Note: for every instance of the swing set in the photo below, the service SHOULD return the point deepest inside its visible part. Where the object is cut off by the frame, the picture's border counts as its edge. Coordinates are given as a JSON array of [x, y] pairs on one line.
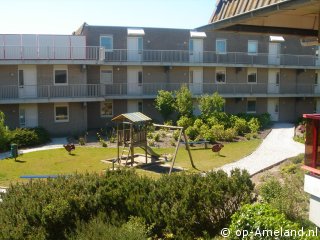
[[132, 132]]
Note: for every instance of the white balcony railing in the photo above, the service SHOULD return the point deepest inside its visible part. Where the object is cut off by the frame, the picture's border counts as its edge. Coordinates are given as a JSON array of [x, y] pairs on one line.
[[149, 89], [153, 56]]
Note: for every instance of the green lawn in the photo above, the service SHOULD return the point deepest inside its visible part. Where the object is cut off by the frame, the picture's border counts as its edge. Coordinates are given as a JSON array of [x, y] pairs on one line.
[[87, 159]]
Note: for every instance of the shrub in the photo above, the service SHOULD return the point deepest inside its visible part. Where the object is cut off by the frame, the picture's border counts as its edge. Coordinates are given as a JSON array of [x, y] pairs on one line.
[[265, 120], [192, 133], [184, 102], [156, 137], [217, 132], [198, 123], [211, 121], [241, 126], [152, 143], [150, 135], [175, 134], [254, 125], [230, 134], [82, 141], [43, 135], [210, 104], [253, 219], [183, 206], [164, 103], [24, 137], [185, 122]]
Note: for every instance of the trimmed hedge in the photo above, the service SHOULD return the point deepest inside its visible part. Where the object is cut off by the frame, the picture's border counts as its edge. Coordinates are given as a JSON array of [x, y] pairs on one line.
[[27, 137], [186, 206]]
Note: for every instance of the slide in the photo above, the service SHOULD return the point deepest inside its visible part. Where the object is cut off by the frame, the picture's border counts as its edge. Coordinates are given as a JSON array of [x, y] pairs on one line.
[[150, 152]]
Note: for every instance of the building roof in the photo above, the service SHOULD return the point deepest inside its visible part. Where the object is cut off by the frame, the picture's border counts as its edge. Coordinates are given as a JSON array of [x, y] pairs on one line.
[[285, 17], [135, 117]]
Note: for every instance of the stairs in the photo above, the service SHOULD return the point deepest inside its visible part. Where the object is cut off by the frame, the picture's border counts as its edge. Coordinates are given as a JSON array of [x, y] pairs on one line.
[[125, 153]]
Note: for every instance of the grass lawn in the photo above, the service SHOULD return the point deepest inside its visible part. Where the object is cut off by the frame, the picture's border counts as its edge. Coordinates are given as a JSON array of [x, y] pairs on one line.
[[87, 159]]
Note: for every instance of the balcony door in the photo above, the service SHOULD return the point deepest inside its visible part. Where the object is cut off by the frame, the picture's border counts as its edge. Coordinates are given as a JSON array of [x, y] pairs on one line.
[[318, 56], [196, 50], [135, 48], [28, 115], [135, 80], [27, 81], [274, 53], [196, 80], [273, 80], [317, 82], [134, 106], [273, 108]]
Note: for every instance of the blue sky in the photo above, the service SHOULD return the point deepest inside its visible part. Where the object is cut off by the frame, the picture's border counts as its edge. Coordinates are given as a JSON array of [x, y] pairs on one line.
[[65, 16]]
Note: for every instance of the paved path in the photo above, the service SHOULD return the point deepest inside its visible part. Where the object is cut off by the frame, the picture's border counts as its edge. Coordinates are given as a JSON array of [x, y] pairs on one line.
[[276, 147], [55, 143]]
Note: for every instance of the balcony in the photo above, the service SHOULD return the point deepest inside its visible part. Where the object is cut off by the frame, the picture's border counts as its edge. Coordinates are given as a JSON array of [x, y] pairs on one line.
[[92, 54], [97, 92]]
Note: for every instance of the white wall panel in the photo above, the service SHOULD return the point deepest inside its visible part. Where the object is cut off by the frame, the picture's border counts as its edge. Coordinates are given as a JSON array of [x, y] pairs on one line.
[[29, 46], [62, 47], [12, 46], [46, 47], [78, 45]]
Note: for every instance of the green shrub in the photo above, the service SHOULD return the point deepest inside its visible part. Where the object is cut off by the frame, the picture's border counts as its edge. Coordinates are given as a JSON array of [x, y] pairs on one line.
[[211, 121], [82, 141], [265, 120], [24, 137], [150, 135], [156, 137], [198, 123], [230, 134], [217, 132], [241, 126], [185, 122], [254, 125], [192, 133], [251, 220], [164, 103], [183, 205], [184, 102], [176, 134]]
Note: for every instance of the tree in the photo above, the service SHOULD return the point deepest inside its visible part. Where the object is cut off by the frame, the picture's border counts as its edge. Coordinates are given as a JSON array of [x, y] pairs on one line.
[[210, 104], [184, 104], [4, 133], [164, 103]]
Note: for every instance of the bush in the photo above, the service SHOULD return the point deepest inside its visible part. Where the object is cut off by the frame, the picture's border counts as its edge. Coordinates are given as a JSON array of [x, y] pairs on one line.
[[183, 206], [241, 126], [192, 133], [156, 137], [230, 134], [164, 103], [253, 219], [265, 120], [211, 121], [184, 102], [185, 122], [24, 137], [43, 135], [217, 132], [176, 134], [254, 125]]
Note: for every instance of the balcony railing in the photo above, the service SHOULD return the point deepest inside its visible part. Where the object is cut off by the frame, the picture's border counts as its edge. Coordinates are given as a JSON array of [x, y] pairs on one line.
[[153, 56], [149, 89]]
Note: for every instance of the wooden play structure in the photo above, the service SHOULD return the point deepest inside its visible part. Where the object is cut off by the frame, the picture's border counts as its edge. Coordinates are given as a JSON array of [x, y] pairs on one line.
[[312, 144], [132, 132]]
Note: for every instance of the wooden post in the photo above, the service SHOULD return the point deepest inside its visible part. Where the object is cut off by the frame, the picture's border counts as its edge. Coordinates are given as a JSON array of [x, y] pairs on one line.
[[131, 144], [176, 151], [118, 147], [188, 148], [146, 145]]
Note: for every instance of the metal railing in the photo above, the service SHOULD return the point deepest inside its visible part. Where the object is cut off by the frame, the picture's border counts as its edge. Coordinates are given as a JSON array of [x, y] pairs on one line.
[[153, 56], [149, 89]]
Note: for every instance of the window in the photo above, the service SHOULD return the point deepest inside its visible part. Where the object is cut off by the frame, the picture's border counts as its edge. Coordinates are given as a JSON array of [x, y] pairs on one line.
[[252, 75], [106, 109], [140, 106], [278, 79], [140, 78], [106, 76], [191, 46], [251, 106], [252, 47], [191, 77], [220, 75], [21, 78], [22, 117], [60, 75], [107, 43], [61, 113], [140, 44], [316, 78], [221, 46]]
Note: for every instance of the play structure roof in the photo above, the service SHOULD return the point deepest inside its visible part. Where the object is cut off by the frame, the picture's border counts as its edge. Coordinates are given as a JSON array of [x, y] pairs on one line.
[[136, 117]]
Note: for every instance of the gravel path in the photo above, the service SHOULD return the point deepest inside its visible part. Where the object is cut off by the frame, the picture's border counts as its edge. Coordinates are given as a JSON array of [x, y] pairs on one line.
[[55, 143], [276, 147]]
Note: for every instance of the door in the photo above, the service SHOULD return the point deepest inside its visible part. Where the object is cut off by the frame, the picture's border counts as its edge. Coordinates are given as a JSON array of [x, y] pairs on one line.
[[273, 80], [135, 80], [135, 48], [27, 81], [106, 80], [28, 115], [134, 106], [274, 53], [196, 80], [316, 82], [273, 108], [196, 50]]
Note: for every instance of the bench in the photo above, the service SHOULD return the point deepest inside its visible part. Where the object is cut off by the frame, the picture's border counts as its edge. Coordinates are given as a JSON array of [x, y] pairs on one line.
[[38, 176], [199, 142]]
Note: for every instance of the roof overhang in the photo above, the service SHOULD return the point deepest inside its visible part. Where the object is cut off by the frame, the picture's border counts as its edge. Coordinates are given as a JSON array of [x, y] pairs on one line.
[[294, 17], [135, 32]]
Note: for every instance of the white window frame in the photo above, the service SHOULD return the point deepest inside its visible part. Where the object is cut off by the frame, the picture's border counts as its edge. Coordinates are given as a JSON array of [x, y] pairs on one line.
[[250, 71], [101, 106], [256, 43], [55, 112], [107, 36], [106, 68], [252, 100], [60, 68], [221, 69], [225, 44]]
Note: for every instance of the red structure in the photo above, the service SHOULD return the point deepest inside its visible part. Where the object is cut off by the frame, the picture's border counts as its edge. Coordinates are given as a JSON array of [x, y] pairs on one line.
[[312, 151]]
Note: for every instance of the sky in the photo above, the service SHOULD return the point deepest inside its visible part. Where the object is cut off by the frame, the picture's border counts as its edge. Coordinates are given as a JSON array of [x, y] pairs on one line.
[[66, 16]]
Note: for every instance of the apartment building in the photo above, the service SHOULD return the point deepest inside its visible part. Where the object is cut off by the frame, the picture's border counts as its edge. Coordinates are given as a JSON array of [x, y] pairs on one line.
[[69, 84]]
